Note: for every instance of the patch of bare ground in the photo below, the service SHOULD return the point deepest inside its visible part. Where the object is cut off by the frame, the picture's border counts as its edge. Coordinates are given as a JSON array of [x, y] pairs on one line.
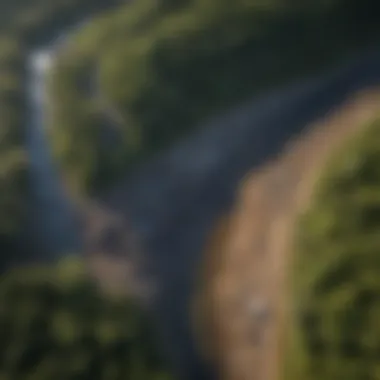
[[112, 251], [245, 299]]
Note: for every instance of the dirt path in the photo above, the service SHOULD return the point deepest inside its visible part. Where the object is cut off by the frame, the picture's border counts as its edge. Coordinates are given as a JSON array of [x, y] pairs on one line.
[[248, 294]]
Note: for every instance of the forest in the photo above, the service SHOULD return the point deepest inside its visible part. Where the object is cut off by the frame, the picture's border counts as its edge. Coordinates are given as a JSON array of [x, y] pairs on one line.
[[132, 81]]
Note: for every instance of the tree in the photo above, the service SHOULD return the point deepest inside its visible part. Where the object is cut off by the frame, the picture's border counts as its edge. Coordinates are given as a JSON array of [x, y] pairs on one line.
[[54, 322]]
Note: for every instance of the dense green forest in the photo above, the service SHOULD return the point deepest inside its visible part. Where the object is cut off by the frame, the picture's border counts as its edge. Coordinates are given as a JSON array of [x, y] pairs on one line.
[[54, 323], [150, 74], [336, 271], [140, 76]]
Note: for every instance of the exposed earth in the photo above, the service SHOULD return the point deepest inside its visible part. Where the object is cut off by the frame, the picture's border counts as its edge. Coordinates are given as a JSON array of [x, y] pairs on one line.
[[248, 297]]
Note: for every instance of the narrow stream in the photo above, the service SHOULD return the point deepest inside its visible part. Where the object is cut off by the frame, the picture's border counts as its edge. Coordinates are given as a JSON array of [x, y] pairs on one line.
[[53, 220]]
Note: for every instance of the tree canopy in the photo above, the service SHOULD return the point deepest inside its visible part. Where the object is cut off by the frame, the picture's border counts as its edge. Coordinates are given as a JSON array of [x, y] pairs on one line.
[[54, 323], [336, 283]]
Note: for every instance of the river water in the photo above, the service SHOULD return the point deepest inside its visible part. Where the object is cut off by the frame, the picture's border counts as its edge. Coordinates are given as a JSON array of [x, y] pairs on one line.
[[53, 220]]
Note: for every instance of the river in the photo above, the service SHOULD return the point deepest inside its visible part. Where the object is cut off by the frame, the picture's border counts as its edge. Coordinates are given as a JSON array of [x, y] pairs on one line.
[[54, 224], [174, 199]]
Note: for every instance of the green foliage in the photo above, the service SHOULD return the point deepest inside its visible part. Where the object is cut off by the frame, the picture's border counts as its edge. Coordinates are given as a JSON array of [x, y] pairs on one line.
[[337, 287], [159, 70], [139, 77], [54, 322]]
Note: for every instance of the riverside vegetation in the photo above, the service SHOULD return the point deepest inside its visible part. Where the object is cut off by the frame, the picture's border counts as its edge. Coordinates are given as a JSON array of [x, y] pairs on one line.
[[336, 288]]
